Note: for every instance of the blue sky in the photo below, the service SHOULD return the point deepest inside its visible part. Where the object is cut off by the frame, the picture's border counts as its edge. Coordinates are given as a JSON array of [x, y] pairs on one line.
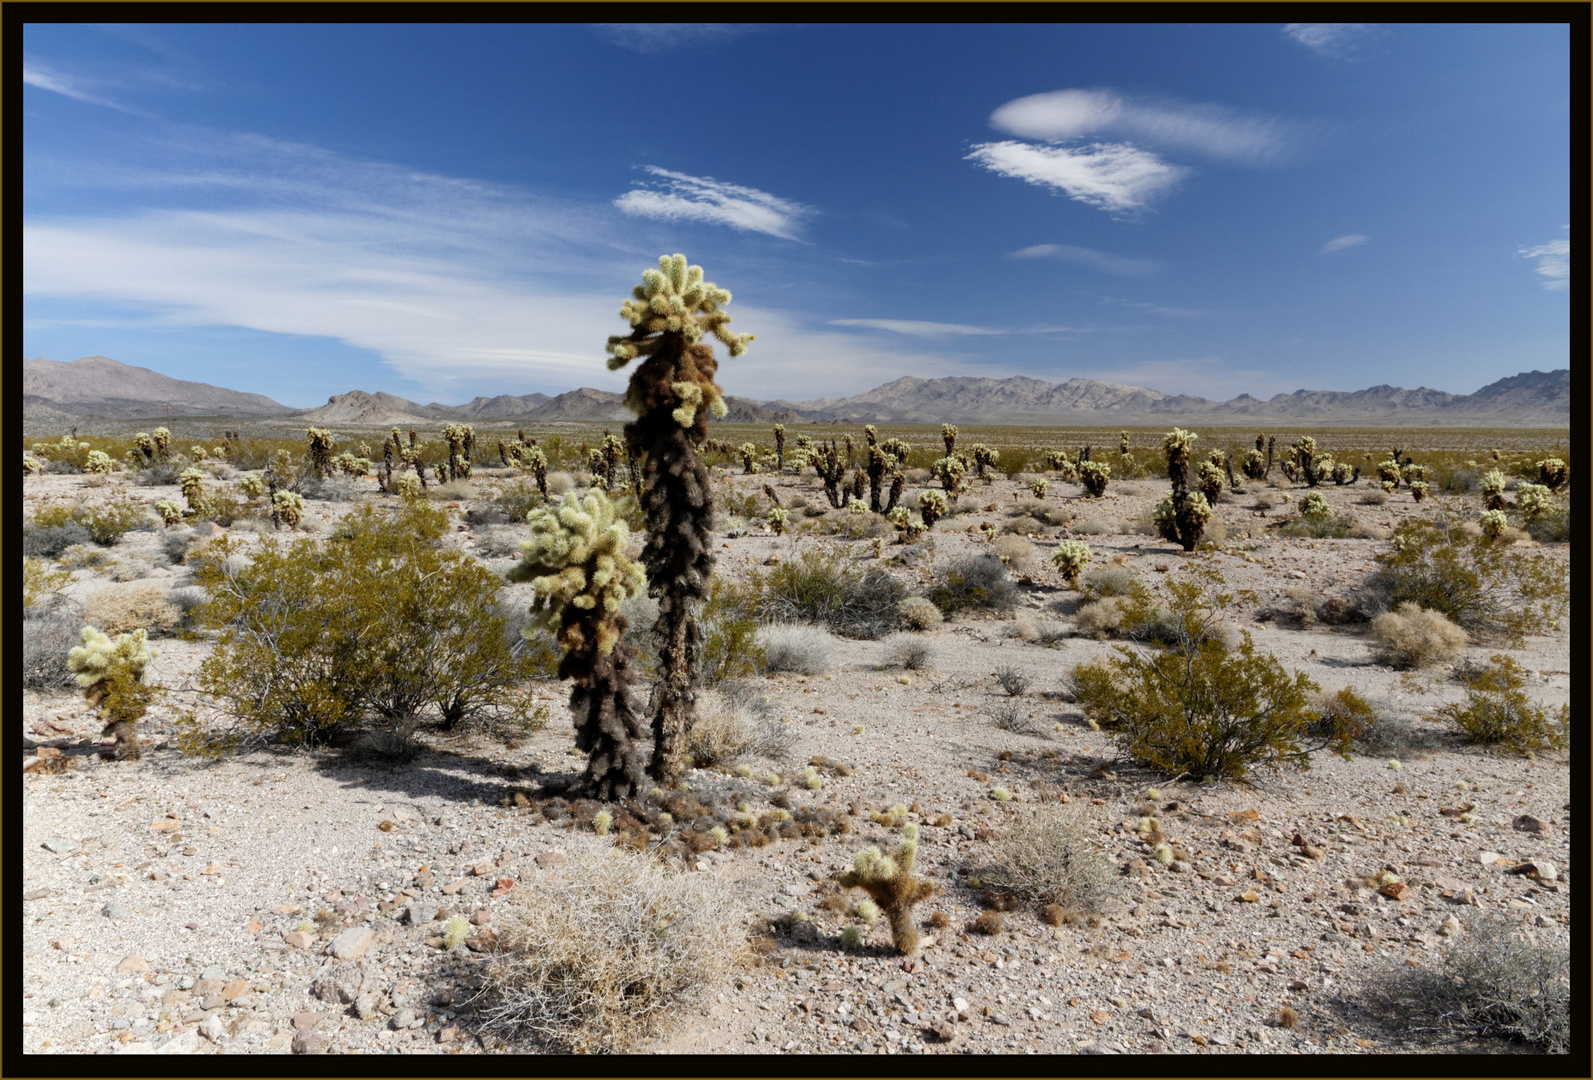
[[442, 212]]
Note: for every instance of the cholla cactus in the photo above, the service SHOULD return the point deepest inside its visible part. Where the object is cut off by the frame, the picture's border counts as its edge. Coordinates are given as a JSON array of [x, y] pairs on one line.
[[576, 561], [350, 465], [1315, 508], [532, 457], [1344, 473], [779, 448], [31, 465], [1412, 473], [1533, 501], [145, 446], [1553, 473], [749, 458], [1494, 523], [832, 472], [1210, 480], [461, 439], [321, 444], [778, 519], [932, 507], [1037, 487], [1123, 444], [1181, 516], [170, 513], [1305, 459], [1071, 557], [1253, 465], [1388, 471], [673, 393], [1389, 486], [857, 506], [99, 462], [161, 438], [985, 456], [1094, 476], [950, 472], [1493, 485], [289, 506], [948, 435], [1418, 490], [408, 486], [111, 674], [193, 485], [198, 453], [889, 880]]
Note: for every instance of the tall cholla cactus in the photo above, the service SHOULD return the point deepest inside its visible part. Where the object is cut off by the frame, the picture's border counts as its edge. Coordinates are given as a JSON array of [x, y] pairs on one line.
[[779, 448], [950, 472], [889, 880], [576, 561], [1553, 473], [1305, 459], [193, 485], [749, 458], [1493, 485], [461, 440], [145, 447], [111, 674], [1182, 515], [673, 393], [321, 445], [985, 457], [948, 435], [932, 507], [1210, 479], [161, 438], [832, 471], [1094, 475]]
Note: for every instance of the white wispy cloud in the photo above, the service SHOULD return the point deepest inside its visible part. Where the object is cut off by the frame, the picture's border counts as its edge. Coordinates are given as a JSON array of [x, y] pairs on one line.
[[677, 196], [1554, 263], [1329, 39], [1213, 130], [919, 328], [1339, 243], [1099, 260], [1157, 309], [36, 73], [1112, 176], [649, 38]]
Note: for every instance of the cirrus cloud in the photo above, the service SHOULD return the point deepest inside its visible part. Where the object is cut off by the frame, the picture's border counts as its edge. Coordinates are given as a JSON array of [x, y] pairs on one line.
[[1099, 260], [1111, 176], [1339, 243], [1212, 130], [1554, 263], [679, 197]]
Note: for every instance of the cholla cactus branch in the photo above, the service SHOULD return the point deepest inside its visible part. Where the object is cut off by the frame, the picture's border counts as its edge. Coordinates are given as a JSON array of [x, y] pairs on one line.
[[889, 880]]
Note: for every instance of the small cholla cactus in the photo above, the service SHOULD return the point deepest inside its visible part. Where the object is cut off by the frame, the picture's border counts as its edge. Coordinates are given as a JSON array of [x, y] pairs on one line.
[[193, 485], [778, 519], [1305, 459], [1037, 487], [111, 674], [145, 446], [1315, 508], [1123, 443], [601, 821], [983, 457], [1253, 465], [99, 462], [852, 936], [1094, 476], [1553, 473], [1418, 490], [198, 453], [1493, 485], [170, 513], [1389, 486], [811, 778], [350, 465], [989, 532], [1532, 500], [408, 486], [857, 506], [1210, 479], [948, 435], [950, 471], [1071, 558], [161, 438], [31, 465], [889, 881], [1411, 473], [289, 506], [455, 930], [1344, 473], [868, 911], [1388, 471], [1494, 523], [932, 506], [749, 458], [321, 444]]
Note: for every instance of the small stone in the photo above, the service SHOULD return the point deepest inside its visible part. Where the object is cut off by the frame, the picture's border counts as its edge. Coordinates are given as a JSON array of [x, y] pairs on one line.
[[482, 869], [419, 912], [313, 1041], [1529, 824], [131, 965], [481, 917], [1450, 927], [352, 943], [551, 858], [184, 1043], [1395, 890], [454, 886], [113, 910], [402, 1019], [60, 846], [298, 939], [252, 927], [305, 1020], [36, 894], [1488, 858], [1248, 896], [448, 1034], [942, 1032], [213, 1029], [1537, 870], [234, 988], [961, 1005]]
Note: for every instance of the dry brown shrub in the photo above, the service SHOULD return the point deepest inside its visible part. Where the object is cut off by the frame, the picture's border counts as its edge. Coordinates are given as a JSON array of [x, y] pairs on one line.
[[1100, 619], [1015, 550], [601, 954], [1410, 636], [133, 605], [1050, 859], [919, 613]]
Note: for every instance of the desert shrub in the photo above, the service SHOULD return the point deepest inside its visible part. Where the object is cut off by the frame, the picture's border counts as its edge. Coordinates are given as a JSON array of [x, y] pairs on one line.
[[1196, 708], [378, 623], [604, 953], [1099, 619], [1091, 528], [730, 632], [46, 536], [47, 637], [1374, 497], [50, 541], [1547, 517], [1342, 717], [1106, 581], [1049, 858], [798, 647], [1412, 637], [733, 721], [821, 588], [1494, 982], [40, 584], [907, 652], [1397, 737], [1013, 683], [978, 582], [1488, 589], [1321, 523], [1015, 551], [134, 605], [1010, 716], [1497, 711], [919, 613]]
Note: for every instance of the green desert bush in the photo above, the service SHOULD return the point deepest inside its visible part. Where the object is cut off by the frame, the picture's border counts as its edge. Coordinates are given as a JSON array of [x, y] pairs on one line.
[[1411, 637], [1106, 581], [977, 583], [608, 951], [1049, 858], [377, 624], [1196, 708], [1497, 711], [1490, 590], [730, 632]]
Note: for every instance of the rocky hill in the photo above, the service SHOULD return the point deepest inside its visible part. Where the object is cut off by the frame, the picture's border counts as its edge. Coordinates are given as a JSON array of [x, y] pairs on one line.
[[100, 386]]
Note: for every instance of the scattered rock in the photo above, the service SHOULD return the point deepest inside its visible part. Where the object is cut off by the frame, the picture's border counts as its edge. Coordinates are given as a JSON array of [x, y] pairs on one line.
[[1536, 869], [131, 965], [185, 1043], [304, 1021], [367, 1006], [298, 939], [403, 1018], [551, 858], [59, 846], [1529, 824], [481, 917], [312, 1041], [1395, 890], [338, 984], [114, 910], [213, 1029], [420, 912], [454, 886], [352, 943]]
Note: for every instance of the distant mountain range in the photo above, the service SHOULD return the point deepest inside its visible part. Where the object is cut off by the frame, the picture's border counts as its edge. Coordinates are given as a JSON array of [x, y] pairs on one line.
[[100, 387]]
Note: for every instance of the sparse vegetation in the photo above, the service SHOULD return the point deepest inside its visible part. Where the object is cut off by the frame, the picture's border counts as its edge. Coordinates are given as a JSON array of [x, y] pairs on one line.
[[1497, 712]]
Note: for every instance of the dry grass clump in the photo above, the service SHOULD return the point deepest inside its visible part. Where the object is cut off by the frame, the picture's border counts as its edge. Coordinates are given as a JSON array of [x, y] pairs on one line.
[[1090, 528], [1410, 636], [47, 637], [133, 605], [799, 647], [920, 613], [732, 721], [907, 652], [1103, 581], [1101, 619], [1049, 859], [601, 954], [1015, 551]]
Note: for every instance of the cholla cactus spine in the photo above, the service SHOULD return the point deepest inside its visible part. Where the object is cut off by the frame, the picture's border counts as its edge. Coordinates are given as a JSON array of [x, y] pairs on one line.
[[1071, 557]]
